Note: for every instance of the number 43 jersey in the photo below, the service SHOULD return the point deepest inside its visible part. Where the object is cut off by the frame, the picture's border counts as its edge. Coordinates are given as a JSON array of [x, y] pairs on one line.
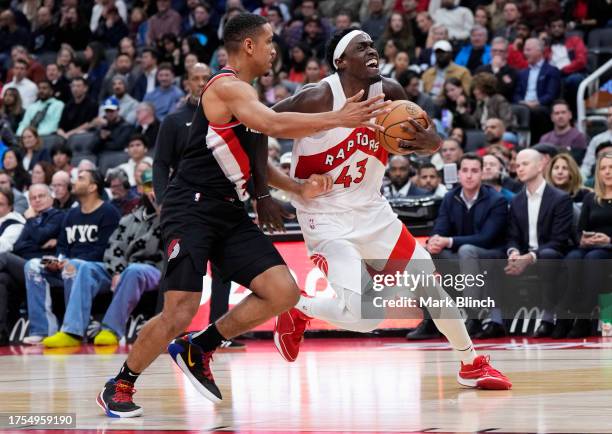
[[351, 156]]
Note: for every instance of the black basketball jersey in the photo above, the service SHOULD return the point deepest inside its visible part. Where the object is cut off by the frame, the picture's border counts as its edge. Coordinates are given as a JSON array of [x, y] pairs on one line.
[[218, 157]]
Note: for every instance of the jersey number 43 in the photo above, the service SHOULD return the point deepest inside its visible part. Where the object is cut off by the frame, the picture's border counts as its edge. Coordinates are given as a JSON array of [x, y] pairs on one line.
[[346, 180]]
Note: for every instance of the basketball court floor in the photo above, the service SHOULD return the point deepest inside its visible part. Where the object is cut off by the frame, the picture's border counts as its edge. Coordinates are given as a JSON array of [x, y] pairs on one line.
[[336, 385]]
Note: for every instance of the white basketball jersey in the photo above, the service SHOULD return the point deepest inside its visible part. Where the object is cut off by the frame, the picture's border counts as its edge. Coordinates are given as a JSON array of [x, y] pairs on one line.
[[351, 156]]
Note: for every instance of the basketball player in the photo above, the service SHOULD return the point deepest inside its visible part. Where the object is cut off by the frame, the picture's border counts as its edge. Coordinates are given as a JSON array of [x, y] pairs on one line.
[[353, 221], [203, 217]]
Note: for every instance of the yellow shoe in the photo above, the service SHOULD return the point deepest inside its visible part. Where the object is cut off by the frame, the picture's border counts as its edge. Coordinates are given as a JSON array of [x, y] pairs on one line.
[[61, 340], [106, 337]]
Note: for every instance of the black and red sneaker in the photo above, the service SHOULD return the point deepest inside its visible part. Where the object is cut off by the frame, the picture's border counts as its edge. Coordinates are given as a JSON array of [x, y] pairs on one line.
[[195, 364], [116, 399]]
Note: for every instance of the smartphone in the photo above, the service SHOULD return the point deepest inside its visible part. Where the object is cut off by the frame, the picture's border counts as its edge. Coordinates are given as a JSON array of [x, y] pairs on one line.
[[587, 234], [47, 259]]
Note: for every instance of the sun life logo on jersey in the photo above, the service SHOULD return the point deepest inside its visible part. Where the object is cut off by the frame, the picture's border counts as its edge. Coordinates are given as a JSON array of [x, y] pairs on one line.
[[361, 139]]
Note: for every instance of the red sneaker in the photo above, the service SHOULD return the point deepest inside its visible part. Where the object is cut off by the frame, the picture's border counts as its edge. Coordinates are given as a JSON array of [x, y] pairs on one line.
[[481, 375], [289, 333]]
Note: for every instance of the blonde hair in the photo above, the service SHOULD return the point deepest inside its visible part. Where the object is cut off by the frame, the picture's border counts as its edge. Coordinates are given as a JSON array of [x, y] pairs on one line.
[[600, 188], [575, 177]]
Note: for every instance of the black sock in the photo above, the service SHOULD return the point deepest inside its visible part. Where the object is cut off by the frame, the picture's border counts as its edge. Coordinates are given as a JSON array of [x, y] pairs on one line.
[[126, 374], [208, 339]]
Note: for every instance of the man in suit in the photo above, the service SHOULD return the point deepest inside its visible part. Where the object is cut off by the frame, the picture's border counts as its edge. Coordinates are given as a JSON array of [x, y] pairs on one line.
[[537, 87], [539, 231], [471, 226], [399, 175]]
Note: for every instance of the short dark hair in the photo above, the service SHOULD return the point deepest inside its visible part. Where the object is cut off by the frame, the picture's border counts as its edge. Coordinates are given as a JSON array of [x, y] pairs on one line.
[[472, 157], [240, 27], [560, 102], [165, 66], [426, 165], [8, 193], [45, 81], [406, 77], [61, 148], [81, 79], [151, 51], [602, 146], [96, 178], [333, 43], [11, 180], [140, 137]]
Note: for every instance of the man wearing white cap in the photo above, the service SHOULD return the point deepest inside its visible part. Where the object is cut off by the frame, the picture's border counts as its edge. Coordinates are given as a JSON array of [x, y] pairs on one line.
[[351, 224], [445, 68]]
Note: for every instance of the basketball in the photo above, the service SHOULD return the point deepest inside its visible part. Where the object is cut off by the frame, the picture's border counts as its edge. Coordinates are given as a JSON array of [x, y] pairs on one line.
[[401, 112]]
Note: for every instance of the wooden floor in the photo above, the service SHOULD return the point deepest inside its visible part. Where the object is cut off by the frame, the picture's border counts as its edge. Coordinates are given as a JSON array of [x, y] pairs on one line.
[[348, 385]]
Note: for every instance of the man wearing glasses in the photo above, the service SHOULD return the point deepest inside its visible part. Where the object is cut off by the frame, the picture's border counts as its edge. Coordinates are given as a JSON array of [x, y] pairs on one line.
[[506, 75]]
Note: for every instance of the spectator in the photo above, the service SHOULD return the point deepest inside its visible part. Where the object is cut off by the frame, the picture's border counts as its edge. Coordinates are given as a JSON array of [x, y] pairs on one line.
[[376, 20], [166, 95], [386, 61], [65, 55], [451, 151], [96, 59], [343, 20], [297, 63], [569, 55], [20, 202], [35, 71], [166, 20], [44, 114], [204, 29], [424, 23], [11, 162], [139, 26], [564, 135], [32, 150], [586, 271], [123, 198], [399, 174], [172, 137], [537, 87], [63, 197], [61, 156], [79, 113], [512, 16], [411, 83], [147, 81], [127, 104], [458, 20], [313, 37], [275, 18], [101, 8], [516, 57], [478, 52], [141, 167], [38, 238], [147, 123], [483, 18], [268, 5], [505, 74], [540, 229], [400, 64], [494, 173], [42, 173], [430, 181], [12, 109], [489, 103], [589, 158], [547, 151], [170, 52], [274, 151], [84, 236], [26, 88], [496, 10], [427, 57], [445, 68], [312, 73], [112, 29], [471, 226], [59, 83], [459, 135], [122, 67], [137, 150], [11, 222], [455, 104], [10, 33], [73, 30], [113, 133], [563, 173], [399, 30]]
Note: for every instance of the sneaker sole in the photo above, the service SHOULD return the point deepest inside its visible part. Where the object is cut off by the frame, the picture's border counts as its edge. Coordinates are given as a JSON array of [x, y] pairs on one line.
[[485, 383], [199, 387], [116, 414], [279, 345]]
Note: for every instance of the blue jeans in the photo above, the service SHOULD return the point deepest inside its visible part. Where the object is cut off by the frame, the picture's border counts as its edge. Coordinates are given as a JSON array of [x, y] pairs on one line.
[[38, 287], [135, 280]]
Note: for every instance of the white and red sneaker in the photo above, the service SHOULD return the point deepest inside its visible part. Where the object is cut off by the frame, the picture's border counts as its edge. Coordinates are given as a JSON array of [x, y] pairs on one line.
[[289, 333], [481, 375]]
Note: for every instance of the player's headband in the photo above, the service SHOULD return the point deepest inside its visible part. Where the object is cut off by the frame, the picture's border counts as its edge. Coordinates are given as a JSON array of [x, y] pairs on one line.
[[346, 39]]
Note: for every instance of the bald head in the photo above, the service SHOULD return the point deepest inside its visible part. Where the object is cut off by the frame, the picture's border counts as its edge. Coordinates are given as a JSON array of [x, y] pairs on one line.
[[533, 50], [529, 166], [198, 76]]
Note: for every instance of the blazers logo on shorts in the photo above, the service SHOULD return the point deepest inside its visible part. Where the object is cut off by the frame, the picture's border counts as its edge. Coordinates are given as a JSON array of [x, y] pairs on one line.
[[174, 248]]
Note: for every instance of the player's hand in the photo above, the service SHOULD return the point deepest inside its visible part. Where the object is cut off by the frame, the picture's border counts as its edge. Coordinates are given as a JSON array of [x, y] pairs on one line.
[[426, 140], [270, 215], [316, 185], [360, 114]]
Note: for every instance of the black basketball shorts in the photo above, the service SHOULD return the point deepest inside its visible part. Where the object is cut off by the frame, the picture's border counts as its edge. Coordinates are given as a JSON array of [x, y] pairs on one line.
[[197, 228]]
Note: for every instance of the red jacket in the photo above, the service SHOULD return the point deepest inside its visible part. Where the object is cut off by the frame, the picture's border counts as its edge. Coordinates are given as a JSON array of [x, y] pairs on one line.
[[577, 53], [516, 58]]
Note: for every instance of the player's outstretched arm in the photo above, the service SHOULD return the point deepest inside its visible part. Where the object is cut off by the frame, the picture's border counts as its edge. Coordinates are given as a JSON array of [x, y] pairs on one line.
[[315, 185], [242, 101]]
